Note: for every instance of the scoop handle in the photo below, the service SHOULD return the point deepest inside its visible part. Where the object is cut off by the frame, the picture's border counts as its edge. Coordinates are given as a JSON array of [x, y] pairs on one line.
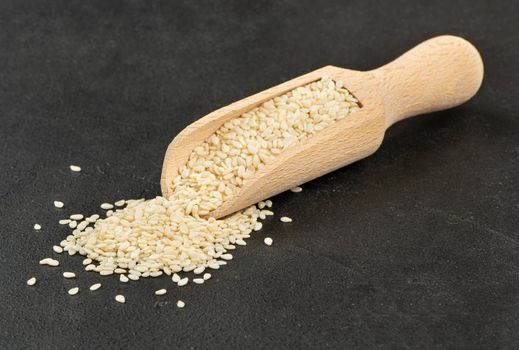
[[440, 73]]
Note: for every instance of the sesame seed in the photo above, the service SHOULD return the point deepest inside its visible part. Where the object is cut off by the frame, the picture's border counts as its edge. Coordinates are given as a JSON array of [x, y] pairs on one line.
[[106, 206], [37, 226], [296, 189], [175, 278], [133, 277], [268, 241], [75, 168], [58, 204], [87, 261], [207, 276], [161, 292], [183, 282], [72, 224], [198, 280], [95, 286], [268, 203], [120, 299], [199, 270], [226, 256], [64, 221], [73, 291], [119, 270], [120, 203], [31, 281], [69, 275], [285, 219], [57, 249], [76, 217], [180, 304], [49, 262], [123, 278]]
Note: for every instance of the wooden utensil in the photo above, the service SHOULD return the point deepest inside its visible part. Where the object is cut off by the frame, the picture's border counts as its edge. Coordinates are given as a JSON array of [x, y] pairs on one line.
[[440, 73]]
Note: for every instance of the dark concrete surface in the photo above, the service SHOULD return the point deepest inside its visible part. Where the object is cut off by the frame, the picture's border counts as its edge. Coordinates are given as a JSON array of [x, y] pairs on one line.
[[415, 247]]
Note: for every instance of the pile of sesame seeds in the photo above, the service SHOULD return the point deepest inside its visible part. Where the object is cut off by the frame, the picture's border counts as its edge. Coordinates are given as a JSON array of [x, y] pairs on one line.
[[148, 238]]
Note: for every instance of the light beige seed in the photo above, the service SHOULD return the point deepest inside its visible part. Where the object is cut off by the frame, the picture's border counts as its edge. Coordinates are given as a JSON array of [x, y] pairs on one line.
[[90, 267], [296, 189], [120, 203], [119, 270], [198, 280], [226, 256], [180, 304], [161, 292], [75, 168], [73, 291], [120, 299], [64, 221], [285, 219], [123, 278], [72, 224], [58, 204], [268, 203], [268, 241], [69, 275], [199, 270], [49, 262], [57, 249], [207, 276], [106, 206], [87, 261], [175, 278], [37, 226], [95, 286], [133, 277], [76, 217], [31, 281], [183, 282]]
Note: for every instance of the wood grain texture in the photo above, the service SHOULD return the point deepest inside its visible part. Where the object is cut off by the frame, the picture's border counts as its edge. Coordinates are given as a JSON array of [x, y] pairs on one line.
[[440, 73]]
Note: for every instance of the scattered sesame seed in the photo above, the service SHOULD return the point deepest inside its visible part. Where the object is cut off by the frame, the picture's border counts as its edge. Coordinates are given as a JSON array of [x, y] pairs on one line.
[[72, 224], [90, 267], [120, 299], [175, 278], [106, 206], [57, 249], [296, 189], [161, 292], [119, 270], [123, 278], [226, 256], [76, 217], [268, 203], [120, 203], [95, 286], [37, 226], [268, 241], [198, 280], [87, 261], [58, 204], [285, 219], [49, 262], [75, 168], [31, 281], [207, 276], [183, 282], [180, 304], [69, 275], [64, 221], [73, 291], [199, 270], [133, 277]]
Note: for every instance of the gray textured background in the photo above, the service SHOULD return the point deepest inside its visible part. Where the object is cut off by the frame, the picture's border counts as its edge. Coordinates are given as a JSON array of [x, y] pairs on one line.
[[414, 247]]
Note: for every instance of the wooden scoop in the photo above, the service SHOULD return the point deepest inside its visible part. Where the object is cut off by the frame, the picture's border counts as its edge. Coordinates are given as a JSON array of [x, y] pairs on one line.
[[440, 73]]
